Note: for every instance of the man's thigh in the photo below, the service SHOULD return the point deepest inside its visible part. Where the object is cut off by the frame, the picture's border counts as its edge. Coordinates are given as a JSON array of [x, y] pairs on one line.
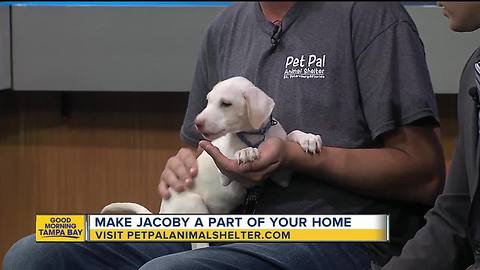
[[26, 254], [267, 256]]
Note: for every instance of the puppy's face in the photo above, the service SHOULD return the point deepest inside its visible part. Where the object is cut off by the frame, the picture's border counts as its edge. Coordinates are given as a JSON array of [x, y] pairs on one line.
[[233, 105]]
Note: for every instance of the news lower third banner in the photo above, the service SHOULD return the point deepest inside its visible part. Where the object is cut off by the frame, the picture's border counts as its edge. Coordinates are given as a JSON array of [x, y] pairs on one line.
[[212, 228]]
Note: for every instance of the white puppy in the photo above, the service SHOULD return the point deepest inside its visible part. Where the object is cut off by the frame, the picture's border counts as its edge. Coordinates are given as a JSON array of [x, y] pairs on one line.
[[237, 119]]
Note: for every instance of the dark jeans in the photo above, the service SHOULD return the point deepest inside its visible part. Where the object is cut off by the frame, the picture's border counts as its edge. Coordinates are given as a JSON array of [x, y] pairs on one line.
[[26, 254]]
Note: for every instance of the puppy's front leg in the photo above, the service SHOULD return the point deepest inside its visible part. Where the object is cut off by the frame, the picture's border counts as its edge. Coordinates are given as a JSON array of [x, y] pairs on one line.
[[310, 143], [245, 155], [248, 154]]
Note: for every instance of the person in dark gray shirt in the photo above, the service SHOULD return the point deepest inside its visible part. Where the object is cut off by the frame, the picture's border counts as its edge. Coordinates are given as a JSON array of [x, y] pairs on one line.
[[355, 73]]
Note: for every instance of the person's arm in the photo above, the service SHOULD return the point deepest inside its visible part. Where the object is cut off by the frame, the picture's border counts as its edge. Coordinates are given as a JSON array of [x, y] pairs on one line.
[[409, 167], [398, 103], [443, 242]]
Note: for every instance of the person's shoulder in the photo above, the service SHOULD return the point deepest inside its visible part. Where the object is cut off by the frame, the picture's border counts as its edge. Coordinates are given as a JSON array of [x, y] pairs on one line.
[[370, 20], [391, 10], [384, 13], [467, 82], [229, 15], [474, 58], [476, 55], [225, 23]]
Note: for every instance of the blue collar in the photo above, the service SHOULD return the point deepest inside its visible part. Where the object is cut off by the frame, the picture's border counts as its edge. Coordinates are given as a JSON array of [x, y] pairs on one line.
[[262, 132]]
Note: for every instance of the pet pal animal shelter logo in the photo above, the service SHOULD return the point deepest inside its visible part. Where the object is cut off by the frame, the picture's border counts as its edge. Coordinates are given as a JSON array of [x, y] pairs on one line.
[[310, 66]]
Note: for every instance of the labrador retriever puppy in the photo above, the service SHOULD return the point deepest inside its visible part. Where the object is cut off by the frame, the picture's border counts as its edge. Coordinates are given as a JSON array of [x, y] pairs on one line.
[[237, 118]]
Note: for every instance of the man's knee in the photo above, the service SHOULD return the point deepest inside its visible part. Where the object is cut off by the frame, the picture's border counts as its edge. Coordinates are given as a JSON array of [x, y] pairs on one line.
[[27, 254]]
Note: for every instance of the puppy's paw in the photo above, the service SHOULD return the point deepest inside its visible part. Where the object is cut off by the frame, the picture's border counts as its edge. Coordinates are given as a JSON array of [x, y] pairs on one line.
[[310, 143], [247, 155]]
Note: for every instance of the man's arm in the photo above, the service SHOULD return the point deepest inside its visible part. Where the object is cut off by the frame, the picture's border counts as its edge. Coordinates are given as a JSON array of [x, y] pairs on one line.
[[410, 166], [442, 243]]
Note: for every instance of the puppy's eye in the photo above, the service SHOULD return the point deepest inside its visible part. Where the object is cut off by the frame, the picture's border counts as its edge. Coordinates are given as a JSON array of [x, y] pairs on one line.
[[225, 104]]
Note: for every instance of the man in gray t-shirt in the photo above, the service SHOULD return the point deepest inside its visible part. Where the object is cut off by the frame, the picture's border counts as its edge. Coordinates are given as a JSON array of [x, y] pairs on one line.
[[355, 73]]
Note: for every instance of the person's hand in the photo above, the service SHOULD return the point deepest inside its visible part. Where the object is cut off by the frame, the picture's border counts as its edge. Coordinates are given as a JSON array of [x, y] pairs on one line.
[[272, 156], [179, 172]]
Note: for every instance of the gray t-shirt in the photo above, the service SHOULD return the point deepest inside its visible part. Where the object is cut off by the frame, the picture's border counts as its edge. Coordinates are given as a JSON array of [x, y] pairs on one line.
[[347, 71]]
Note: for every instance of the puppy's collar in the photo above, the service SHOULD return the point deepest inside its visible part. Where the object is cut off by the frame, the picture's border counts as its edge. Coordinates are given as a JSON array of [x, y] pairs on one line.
[[244, 136]]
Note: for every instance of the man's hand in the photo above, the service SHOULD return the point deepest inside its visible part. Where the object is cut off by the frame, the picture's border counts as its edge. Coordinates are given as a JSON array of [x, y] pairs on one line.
[[272, 156], [179, 172]]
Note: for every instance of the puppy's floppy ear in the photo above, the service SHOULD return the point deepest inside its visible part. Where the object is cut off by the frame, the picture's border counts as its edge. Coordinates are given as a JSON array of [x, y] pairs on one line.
[[259, 106]]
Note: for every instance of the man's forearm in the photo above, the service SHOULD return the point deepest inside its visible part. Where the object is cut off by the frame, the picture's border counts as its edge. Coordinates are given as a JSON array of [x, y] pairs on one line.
[[383, 172]]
